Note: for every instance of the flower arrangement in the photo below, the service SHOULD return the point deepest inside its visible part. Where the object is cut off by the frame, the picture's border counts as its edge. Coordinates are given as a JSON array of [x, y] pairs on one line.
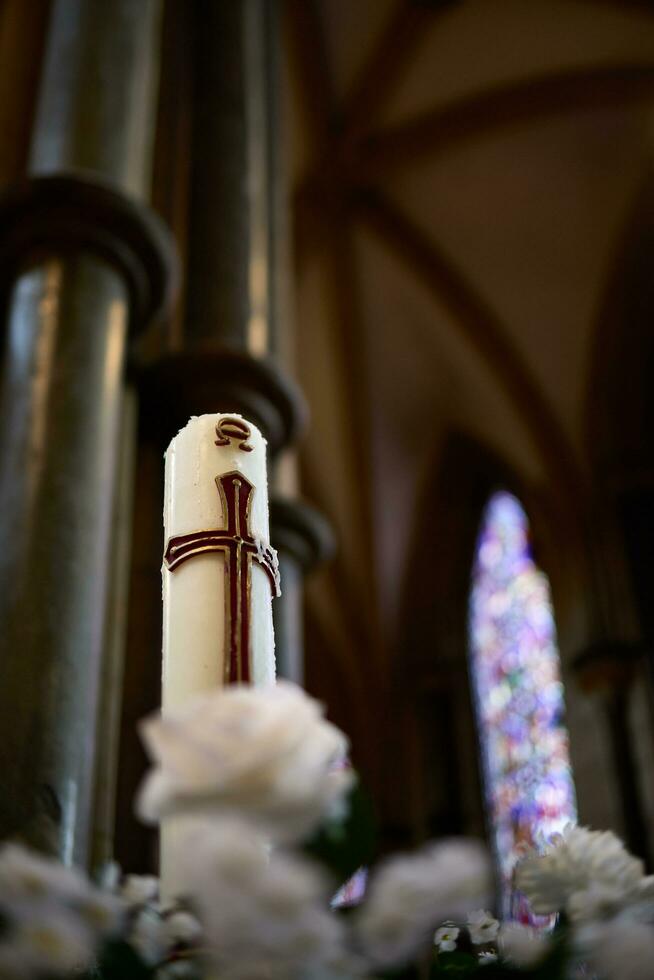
[[270, 822]]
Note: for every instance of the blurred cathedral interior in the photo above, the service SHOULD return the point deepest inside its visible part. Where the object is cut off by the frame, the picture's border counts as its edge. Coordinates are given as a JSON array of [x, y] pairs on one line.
[[413, 241]]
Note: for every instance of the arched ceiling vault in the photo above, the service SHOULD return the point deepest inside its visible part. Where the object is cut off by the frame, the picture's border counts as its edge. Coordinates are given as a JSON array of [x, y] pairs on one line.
[[461, 174]]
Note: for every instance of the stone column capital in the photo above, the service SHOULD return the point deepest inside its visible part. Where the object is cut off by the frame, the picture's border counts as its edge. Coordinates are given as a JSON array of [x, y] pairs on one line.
[[74, 211], [301, 532], [216, 378]]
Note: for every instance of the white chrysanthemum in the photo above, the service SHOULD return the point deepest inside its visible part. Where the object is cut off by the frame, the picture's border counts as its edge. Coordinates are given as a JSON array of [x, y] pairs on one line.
[[262, 914], [28, 877], [267, 752], [45, 902], [622, 949], [521, 945], [578, 860], [409, 894], [445, 938], [482, 926], [51, 942]]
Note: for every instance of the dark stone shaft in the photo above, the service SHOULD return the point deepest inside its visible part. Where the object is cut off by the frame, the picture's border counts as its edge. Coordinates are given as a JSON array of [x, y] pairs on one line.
[[59, 406]]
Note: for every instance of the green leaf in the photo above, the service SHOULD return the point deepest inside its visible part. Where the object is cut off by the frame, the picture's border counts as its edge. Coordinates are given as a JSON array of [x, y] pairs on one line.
[[120, 961], [347, 844], [454, 965]]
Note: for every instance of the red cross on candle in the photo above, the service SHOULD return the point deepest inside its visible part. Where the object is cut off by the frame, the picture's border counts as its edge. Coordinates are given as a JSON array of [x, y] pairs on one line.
[[240, 548]]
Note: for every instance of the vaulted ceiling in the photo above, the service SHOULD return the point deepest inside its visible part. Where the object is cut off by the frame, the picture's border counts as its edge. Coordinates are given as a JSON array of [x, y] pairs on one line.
[[465, 176]]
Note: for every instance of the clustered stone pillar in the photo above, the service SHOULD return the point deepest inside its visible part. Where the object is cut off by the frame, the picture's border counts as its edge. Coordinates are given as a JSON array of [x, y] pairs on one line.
[[84, 266], [236, 324], [607, 670]]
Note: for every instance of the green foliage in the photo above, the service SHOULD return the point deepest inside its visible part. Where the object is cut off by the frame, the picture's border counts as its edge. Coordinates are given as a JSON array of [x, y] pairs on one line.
[[119, 961], [345, 845], [555, 966], [455, 964]]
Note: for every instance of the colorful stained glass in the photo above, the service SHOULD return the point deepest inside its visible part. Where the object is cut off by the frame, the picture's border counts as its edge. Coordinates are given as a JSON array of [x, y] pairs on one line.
[[352, 892], [516, 681]]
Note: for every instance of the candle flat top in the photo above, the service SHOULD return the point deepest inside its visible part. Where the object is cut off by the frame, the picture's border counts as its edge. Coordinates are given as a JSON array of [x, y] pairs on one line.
[[209, 447], [241, 428]]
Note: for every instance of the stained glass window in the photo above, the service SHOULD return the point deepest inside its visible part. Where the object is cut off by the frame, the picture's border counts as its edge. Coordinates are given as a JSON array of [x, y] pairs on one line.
[[516, 682]]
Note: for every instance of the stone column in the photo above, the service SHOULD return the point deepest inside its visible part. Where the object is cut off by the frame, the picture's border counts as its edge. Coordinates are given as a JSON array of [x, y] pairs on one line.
[[224, 360], [84, 265], [236, 344], [303, 539], [608, 670]]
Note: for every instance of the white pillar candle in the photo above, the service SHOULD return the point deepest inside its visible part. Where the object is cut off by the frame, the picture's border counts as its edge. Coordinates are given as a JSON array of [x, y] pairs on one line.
[[204, 587], [219, 572]]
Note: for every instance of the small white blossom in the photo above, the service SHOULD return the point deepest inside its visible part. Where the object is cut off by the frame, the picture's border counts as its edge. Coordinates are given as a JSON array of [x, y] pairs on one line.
[[521, 945], [148, 936], [409, 894], [482, 926], [445, 938], [265, 752], [578, 860], [182, 927], [485, 956], [140, 889]]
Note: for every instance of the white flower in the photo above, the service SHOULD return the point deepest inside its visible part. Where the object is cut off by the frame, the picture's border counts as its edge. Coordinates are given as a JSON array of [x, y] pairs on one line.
[[13, 962], [263, 914], [182, 927], [482, 926], [267, 752], [578, 860], [27, 876], [140, 889], [485, 956], [521, 945], [409, 894], [50, 941], [148, 936], [445, 938], [102, 912], [36, 890], [619, 950], [183, 969]]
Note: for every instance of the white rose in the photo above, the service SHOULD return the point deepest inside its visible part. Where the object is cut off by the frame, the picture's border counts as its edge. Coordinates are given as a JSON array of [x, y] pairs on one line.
[[621, 949], [409, 894], [267, 753], [263, 913], [482, 926], [522, 945]]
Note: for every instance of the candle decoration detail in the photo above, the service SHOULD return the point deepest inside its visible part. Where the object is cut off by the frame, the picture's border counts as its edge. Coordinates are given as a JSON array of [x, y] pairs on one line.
[[230, 428], [240, 548], [219, 571]]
